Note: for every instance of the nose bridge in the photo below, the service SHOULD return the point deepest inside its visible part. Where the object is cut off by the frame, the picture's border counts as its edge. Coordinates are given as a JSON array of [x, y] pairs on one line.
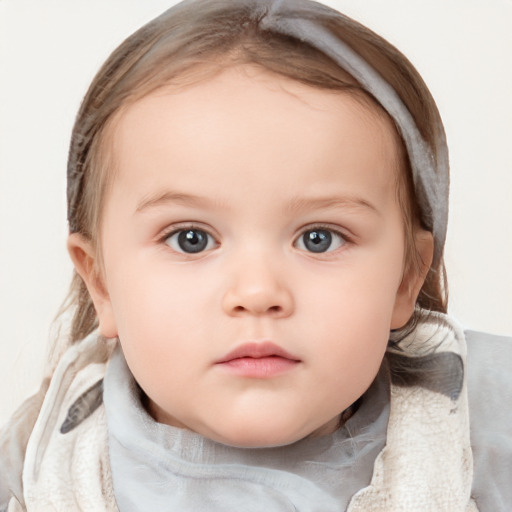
[[257, 284]]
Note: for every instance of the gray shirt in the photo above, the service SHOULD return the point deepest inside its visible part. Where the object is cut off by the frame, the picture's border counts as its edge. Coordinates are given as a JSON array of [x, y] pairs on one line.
[[158, 467], [162, 468]]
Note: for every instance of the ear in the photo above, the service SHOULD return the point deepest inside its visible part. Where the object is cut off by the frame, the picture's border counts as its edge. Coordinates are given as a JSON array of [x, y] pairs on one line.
[[88, 267], [413, 280]]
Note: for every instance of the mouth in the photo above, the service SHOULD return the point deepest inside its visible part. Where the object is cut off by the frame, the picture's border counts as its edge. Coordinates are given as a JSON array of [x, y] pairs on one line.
[[258, 360]]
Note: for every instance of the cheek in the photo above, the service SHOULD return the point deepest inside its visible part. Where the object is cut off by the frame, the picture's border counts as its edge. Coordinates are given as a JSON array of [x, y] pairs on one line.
[[359, 294], [348, 351], [152, 285], [351, 321], [156, 306], [158, 329]]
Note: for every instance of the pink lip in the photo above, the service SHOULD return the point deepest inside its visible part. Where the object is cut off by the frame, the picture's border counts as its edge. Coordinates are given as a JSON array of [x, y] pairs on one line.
[[258, 360]]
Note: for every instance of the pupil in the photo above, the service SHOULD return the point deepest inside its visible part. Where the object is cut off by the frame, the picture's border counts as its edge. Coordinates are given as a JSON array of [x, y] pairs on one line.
[[317, 240], [192, 241]]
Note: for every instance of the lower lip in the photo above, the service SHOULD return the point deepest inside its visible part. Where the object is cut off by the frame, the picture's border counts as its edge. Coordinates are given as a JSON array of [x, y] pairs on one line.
[[260, 368]]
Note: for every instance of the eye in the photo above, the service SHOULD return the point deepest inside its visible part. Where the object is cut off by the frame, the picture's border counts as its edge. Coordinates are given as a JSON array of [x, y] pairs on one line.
[[190, 241], [320, 240]]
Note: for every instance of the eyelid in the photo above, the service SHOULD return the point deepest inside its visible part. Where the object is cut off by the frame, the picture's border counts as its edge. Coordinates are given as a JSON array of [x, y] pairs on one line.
[[179, 227], [173, 241], [327, 227], [183, 226], [347, 239]]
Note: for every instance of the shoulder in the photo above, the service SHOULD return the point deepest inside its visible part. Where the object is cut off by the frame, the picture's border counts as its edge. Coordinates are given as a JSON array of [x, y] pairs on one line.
[[14, 437], [489, 378], [68, 398], [489, 369]]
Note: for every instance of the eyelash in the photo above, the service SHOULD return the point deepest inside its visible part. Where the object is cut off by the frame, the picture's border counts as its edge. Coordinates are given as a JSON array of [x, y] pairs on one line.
[[174, 230], [324, 227]]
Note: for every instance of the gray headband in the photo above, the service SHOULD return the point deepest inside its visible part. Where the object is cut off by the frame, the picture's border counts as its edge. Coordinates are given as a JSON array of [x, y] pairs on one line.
[[430, 172]]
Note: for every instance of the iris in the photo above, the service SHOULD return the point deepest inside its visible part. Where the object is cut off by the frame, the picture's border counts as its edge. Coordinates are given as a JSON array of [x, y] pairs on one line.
[[317, 240]]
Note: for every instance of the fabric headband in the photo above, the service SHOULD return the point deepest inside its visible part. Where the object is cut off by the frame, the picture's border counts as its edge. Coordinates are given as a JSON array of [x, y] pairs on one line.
[[430, 172]]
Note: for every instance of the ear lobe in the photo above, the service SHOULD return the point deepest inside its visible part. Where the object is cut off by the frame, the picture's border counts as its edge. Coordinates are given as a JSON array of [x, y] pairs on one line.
[[85, 261], [413, 279]]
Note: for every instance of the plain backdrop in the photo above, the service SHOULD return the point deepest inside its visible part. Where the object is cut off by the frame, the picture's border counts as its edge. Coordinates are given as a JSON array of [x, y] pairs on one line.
[[50, 51]]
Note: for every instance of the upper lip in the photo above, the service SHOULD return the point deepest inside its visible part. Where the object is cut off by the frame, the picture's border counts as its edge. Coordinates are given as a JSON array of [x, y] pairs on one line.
[[257, 350]]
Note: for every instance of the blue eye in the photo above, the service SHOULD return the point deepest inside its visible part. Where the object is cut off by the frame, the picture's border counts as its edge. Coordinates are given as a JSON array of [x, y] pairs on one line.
[[190, 241], [320, 240]]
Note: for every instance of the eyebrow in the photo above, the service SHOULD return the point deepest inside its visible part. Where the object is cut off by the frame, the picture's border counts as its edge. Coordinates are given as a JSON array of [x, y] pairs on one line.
[[349, 202], [156, 200], [295, 205]]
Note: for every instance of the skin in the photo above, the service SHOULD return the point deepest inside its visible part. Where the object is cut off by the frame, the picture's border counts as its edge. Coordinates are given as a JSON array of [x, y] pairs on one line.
[[255, 160]]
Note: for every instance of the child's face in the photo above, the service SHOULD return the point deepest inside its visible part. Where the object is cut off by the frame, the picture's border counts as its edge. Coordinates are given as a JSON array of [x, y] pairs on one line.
[[250, 211]]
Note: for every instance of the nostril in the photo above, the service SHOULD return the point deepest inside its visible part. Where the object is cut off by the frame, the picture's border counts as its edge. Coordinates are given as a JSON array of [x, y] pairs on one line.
[[257, 301], [271, 310]]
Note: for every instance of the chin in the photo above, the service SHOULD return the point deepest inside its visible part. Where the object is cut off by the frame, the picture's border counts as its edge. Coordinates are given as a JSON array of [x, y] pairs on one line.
[[258, 442], [251, 437]]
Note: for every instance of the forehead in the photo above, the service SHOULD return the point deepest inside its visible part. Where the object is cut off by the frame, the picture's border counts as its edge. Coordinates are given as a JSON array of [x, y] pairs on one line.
[[246, 124]]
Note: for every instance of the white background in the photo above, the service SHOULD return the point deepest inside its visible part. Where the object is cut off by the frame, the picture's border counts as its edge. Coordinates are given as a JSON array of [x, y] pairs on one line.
[[49, 52]]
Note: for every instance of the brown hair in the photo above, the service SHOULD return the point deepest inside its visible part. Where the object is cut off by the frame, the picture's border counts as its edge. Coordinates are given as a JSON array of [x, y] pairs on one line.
[[199, 38]]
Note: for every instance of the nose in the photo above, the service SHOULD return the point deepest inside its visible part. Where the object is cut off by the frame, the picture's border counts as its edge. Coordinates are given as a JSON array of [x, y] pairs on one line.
[[258, 288]]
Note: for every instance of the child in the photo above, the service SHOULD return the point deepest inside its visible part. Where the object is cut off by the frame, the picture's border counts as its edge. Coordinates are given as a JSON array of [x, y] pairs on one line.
[[257, 203]]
